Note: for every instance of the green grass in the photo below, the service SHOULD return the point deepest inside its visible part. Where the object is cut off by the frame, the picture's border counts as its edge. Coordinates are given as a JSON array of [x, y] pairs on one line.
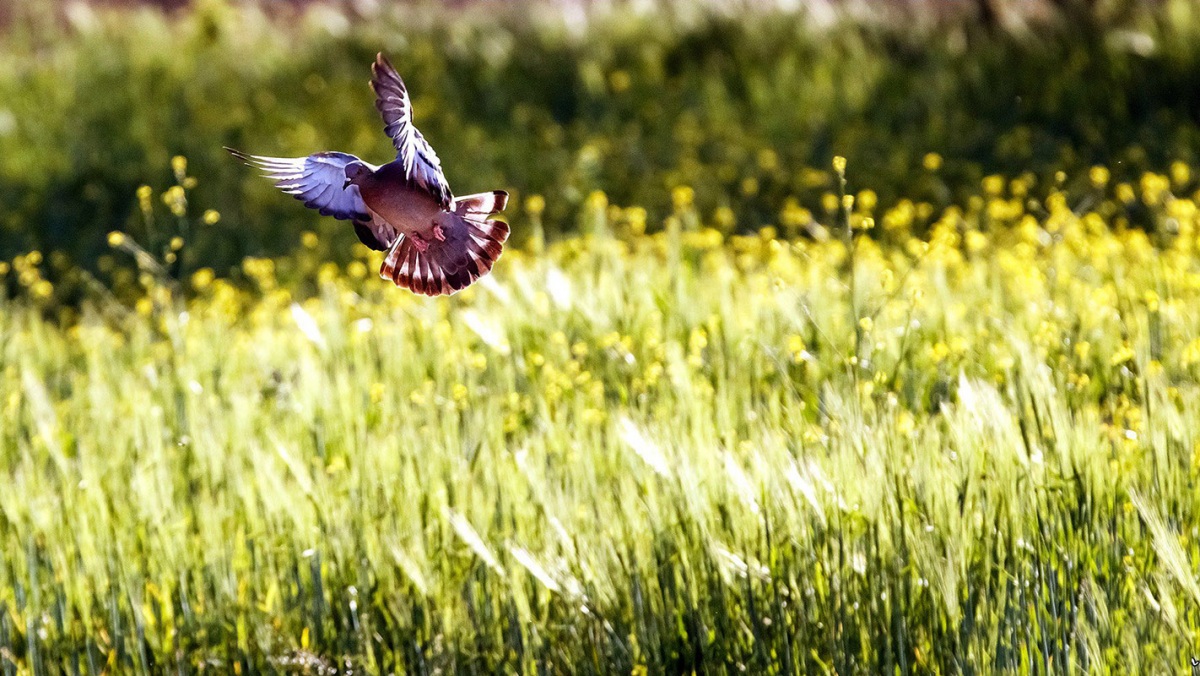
[[946, 425], [667, 452]]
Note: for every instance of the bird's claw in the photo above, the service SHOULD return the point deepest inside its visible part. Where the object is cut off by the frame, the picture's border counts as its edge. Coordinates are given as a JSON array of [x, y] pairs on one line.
[[420, 244], [438, 234]]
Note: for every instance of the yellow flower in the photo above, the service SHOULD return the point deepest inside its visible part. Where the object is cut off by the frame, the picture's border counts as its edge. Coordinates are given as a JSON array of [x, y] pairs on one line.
[[636, 217], [1125, 193], [932, 161], [724, 218], [176, 200], [116, 238], [939, 351], [1122, 355], [202, 278], [535, 205], [308, 239], [1083, 349], [1191, 354], [795, 348], [459, 392], [839, 165], [993, 185], [1154, 186], [1151, 300], [902, 215], [682, 197], [327, 273], [597, 200], [768, 160], [211, 216], [144, 193], [653, 373], [1180, 173], [976, 241], [1099, 176]]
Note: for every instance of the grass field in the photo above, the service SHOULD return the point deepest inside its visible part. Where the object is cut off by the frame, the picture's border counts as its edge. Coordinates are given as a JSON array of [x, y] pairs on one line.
[[729, 403], [629, 453]]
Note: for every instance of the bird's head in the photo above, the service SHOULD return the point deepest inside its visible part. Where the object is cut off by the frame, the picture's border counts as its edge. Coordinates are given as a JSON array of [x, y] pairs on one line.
[[355, 173]]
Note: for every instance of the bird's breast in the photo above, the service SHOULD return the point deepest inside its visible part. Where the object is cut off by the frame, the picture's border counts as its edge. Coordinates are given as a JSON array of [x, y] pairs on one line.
[[407, 209]]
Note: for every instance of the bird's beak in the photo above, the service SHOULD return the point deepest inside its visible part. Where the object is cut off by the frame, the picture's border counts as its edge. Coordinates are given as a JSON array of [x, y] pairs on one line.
[[346, 184]]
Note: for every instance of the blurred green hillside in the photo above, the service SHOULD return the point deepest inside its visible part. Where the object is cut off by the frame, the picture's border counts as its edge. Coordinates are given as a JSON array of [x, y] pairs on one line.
[[538, 100], [943, 418]]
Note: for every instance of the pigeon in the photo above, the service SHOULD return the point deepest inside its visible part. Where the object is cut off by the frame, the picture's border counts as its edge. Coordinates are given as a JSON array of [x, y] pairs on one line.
[[436, 243]]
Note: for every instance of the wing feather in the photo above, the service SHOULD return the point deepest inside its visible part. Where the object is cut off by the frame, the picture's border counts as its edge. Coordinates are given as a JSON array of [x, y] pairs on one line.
[[318, 180], [420, 162]]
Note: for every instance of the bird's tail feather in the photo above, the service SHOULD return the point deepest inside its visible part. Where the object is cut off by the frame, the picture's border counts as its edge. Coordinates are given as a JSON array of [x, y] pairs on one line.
[[482, 204], [470, 248]]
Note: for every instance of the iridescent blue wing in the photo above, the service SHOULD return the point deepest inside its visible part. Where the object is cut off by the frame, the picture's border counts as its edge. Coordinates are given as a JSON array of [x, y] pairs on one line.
[[318, 180]]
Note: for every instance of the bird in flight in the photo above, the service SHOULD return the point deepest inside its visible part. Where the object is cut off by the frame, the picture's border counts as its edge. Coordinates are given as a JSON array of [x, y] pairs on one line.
[[436, 243]]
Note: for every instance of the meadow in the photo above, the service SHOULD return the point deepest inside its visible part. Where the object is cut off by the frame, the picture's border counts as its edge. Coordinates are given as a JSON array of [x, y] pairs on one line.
[[856, 430]]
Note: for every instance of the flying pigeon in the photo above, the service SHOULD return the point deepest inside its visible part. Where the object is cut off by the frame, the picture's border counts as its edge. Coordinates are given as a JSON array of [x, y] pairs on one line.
[[436, 243]]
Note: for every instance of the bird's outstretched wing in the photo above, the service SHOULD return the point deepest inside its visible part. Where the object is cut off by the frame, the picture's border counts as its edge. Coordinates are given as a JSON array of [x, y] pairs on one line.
[[318, 180], [421, 164]]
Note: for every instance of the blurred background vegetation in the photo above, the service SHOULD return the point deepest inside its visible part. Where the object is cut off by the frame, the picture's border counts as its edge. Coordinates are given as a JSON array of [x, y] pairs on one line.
[[738, 101]]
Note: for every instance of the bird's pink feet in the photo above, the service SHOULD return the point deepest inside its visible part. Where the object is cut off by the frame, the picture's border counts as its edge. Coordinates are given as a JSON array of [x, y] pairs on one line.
[[438, 234], [420, 243]]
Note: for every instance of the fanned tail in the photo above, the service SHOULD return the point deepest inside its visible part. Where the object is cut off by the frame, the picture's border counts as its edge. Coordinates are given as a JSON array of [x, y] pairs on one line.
[[481, 205], [471, 246]]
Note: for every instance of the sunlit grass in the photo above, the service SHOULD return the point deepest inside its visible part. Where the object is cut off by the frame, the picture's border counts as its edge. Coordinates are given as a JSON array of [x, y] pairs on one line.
[[856, 451]]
